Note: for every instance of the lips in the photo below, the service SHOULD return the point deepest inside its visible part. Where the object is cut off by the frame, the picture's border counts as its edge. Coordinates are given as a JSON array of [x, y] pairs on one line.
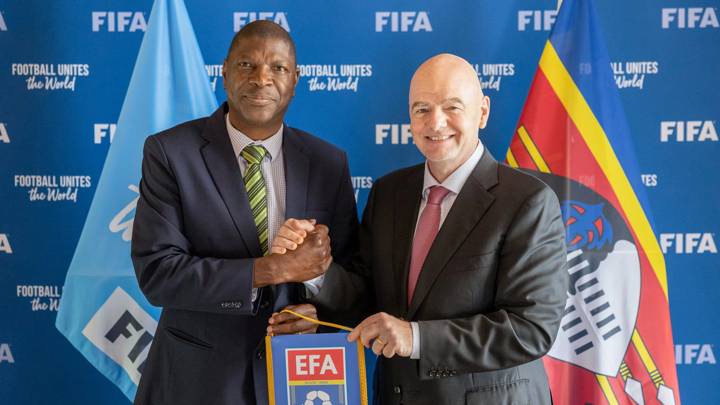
[[439, 138], [258, 99]]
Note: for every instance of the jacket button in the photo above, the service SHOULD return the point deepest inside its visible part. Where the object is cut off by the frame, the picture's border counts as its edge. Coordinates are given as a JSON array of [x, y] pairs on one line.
[[396, 389]]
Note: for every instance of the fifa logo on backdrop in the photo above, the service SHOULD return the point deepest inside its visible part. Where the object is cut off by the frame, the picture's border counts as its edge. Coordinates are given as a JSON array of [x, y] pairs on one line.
[[242, 18], [402, 21], [4, 137], [118, 21], [688, 243], [6, 355], [103, 131], [690, 17], [688, 131], [694, 354], [395, 134], [3, 26], [5, 244], [539, 20]]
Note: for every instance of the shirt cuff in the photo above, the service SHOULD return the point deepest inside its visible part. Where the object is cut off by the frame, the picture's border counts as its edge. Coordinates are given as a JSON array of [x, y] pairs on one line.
[[312, 287], [254, 294], [415, 355]]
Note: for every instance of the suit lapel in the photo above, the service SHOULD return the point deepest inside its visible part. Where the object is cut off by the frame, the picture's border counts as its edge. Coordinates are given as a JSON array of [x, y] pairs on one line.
[[223, 166], [468, 209], [297, 173], [407, 204]]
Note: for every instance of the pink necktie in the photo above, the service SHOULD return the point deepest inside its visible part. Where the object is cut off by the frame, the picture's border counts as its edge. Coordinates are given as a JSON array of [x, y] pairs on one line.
[[427, 229]]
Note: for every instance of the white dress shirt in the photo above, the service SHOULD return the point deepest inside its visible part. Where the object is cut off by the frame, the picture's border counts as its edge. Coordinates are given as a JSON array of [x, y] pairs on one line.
[[273, 171], [454, 183]]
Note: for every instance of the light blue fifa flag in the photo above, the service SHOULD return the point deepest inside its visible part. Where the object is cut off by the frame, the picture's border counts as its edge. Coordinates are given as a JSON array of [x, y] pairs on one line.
[[102, 311]]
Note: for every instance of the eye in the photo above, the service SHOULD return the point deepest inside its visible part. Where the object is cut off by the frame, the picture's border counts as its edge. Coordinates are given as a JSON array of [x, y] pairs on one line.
[[420, 110], [280, 68], [244, 65], [453, 108]]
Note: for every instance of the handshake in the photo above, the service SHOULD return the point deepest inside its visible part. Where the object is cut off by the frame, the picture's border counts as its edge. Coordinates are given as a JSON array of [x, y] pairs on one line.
[[299, 252]]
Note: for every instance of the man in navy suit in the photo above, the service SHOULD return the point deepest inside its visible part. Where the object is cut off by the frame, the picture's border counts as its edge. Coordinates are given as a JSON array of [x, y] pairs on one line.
[[214, 194]]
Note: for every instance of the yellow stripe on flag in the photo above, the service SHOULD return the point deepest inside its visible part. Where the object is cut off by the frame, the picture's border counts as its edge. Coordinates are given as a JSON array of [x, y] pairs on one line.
[[607, 389], [532, 150], [511, 158], [598, 143]]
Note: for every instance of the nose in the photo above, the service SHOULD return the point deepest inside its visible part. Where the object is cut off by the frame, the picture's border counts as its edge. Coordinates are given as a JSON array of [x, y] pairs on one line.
[[437, 119], [261, 76]]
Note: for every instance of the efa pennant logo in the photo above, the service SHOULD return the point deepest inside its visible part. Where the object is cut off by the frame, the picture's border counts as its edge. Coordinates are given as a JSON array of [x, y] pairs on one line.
[[317, 373]]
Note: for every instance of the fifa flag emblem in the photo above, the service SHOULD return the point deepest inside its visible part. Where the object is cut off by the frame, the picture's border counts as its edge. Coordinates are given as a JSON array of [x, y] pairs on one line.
[[319, 369]]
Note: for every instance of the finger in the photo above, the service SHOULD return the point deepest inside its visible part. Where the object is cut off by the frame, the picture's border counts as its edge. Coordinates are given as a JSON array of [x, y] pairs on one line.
[[283, 317], [377, 347], [389, 350], [355, 334], [321, 229], [300, 225], [291, 234], [282, 242], [278, 250], [370, 333], [304, 309], [291, 327]]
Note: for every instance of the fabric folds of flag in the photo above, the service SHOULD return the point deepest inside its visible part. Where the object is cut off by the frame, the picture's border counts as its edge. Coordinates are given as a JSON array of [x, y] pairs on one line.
[[615, 341], [102, 311]]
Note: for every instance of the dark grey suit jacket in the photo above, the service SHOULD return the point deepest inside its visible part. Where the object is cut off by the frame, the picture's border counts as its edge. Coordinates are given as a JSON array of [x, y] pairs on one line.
[[194, 244], [489, 298]]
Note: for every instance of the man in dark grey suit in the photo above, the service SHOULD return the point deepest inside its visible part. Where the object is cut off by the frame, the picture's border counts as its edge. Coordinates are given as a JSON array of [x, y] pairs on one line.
[[462, 260], [214, 194]]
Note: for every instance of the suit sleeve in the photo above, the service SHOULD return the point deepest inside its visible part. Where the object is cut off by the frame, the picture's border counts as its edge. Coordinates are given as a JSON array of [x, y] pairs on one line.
[[345, 296], [168, 273], [531, 290]]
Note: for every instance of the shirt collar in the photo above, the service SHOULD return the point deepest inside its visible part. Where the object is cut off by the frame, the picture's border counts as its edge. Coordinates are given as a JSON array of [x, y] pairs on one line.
[[239, 141], [457, 179]]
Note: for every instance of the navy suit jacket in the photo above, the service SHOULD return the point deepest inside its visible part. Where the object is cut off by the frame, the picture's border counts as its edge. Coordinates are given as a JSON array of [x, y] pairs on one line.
[[193, 248]]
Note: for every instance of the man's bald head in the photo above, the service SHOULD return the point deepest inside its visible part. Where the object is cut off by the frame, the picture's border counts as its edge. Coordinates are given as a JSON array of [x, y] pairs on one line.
[[445, 68], [447, 107], [263, 29]]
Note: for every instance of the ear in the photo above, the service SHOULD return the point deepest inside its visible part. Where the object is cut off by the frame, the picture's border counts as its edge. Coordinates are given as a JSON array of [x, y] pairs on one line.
[[484, 111], [297, 79], [224, 72]]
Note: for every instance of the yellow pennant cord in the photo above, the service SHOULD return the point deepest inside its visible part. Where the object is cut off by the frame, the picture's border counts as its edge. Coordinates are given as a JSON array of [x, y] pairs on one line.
[[318, 322]]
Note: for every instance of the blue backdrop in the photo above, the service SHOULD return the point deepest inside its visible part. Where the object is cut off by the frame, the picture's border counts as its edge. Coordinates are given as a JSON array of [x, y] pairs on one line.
[[65, 67]]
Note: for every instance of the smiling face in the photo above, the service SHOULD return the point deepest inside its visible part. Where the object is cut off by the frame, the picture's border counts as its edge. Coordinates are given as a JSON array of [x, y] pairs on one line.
[[260, 78], [447, 108]]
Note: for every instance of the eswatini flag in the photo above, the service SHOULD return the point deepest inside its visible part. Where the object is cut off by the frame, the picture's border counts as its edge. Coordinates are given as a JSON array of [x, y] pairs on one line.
[[615, 342]]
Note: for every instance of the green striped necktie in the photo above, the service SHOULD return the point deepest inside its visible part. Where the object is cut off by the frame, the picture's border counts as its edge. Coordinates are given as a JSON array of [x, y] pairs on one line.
[[257, 191]]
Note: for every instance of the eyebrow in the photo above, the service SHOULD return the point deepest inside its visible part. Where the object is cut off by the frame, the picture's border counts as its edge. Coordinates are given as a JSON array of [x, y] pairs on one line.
[[447, 100]]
